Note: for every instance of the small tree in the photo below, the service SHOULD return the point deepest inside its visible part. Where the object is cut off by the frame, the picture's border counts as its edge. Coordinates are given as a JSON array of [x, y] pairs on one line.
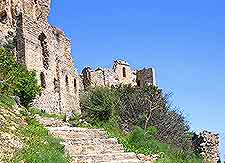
[[149, 106]]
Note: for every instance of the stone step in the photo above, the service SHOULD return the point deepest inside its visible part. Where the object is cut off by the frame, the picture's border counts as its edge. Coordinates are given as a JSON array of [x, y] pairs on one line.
[[77, 133], [99, 158], [93, 149], [120, 161], [81, 141], [125, 161]]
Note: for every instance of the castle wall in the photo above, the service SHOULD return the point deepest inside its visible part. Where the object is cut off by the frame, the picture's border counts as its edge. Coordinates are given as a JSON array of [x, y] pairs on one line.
[[146, 77], [207, 144], [124, 72], [45, 49], [120, 73]]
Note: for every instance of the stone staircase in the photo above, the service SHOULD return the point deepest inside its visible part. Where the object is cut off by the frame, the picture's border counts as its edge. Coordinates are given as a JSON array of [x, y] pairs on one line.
[[92, 146]]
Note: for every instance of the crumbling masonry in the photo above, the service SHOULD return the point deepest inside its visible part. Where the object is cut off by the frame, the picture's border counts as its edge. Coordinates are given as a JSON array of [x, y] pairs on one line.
[[207, 144], [121, 72], [43, 48]]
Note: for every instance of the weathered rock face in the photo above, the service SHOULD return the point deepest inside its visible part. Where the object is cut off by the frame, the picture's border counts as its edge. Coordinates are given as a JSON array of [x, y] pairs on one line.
[[207, 144], [43, 48], [120, 73], [10, 120]]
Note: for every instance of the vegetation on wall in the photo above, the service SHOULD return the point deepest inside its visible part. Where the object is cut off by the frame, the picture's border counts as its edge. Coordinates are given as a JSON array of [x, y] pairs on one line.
[[143, 119], [16, 80]]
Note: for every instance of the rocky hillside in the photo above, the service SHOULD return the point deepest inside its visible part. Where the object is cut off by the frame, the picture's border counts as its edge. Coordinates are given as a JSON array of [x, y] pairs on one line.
[[23, 138], [10, 121]]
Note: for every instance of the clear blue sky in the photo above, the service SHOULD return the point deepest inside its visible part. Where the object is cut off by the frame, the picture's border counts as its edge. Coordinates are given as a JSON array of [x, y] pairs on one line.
[[183, 40]]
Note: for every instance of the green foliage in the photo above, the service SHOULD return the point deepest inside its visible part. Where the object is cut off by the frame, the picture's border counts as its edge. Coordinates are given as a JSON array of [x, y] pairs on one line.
[[39, 146], [149, 106], [144, 142], [76, 120], [135, 106], [42, 113], [16, 80], [6, 102], [162, 130], [98, 104]]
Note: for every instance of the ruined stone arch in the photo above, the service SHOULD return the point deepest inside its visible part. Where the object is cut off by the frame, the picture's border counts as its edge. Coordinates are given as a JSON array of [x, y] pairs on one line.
[[44, 47]]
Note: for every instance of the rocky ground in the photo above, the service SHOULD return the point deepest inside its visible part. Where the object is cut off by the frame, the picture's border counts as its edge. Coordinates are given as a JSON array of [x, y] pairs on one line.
[[9, 122]]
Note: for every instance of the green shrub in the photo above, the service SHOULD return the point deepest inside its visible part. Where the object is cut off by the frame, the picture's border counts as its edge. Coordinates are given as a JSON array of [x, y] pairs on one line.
[[163, 130], [133, 106], [6, 102], [98, 104], [149, 106], [144, 142], [16, 80]]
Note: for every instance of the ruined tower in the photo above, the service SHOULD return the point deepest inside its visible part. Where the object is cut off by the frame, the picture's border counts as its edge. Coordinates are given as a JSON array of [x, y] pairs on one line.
[[45, 49], [146, 76], [120, 73]]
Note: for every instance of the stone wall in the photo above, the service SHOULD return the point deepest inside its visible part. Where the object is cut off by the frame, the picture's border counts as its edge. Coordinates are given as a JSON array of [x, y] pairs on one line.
[[121, 72], [146, 77], [207, 144], [45, 49]]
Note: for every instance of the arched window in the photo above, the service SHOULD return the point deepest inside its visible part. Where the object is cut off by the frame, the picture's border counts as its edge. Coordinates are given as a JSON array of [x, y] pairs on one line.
[[75, 85], [124, 72], [45, 53], [56, 85], [42, 77], [67, 82]]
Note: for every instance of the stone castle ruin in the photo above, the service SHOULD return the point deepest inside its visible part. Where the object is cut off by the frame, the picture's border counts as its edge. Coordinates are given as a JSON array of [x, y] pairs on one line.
[[207, 144], [43, 48], [121, 72], [46, 49]]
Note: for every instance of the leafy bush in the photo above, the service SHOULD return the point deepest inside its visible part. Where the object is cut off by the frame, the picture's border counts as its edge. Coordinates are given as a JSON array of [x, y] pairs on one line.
[[149, 106], [16, 80], [162, 129], [98, 104]]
